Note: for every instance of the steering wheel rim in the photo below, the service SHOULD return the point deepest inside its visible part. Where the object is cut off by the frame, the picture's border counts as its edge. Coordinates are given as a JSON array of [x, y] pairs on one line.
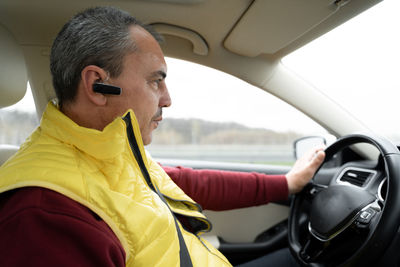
[[376, 243]]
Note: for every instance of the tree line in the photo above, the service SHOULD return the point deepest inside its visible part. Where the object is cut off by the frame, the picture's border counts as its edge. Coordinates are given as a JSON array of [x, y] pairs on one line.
[[196, 131], [16, 126]]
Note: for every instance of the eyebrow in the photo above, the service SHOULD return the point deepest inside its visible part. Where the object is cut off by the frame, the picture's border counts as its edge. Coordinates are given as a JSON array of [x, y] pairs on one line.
[[160, 73]]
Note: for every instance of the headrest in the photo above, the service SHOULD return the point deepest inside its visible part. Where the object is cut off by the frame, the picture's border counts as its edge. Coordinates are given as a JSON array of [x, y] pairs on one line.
[[13, 75]]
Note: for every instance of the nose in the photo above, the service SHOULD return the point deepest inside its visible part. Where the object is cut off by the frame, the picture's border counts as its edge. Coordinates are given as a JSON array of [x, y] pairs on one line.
[[165, 100]]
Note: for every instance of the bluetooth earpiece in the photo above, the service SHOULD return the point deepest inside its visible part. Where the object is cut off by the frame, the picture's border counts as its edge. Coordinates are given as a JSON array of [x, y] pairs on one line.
[[103, 88]]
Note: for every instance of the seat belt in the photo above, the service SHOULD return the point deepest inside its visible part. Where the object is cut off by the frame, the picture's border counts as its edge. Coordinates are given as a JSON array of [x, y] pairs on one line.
[[184, 255]]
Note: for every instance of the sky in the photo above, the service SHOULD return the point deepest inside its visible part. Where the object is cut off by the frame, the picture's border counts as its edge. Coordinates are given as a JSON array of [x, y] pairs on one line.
[[357, 64]]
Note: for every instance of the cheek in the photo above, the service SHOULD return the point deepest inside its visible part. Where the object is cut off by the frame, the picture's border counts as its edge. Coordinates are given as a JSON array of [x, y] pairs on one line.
[[146, 110]]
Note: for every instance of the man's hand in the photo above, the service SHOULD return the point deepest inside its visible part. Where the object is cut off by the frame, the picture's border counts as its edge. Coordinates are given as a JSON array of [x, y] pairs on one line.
[[303, 169]]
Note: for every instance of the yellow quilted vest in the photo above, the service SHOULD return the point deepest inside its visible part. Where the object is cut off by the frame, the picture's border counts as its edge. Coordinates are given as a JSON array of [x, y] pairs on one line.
[[100, 170]]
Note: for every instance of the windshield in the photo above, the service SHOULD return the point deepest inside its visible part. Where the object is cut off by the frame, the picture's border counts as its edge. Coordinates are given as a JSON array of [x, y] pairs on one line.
[[357, 65]]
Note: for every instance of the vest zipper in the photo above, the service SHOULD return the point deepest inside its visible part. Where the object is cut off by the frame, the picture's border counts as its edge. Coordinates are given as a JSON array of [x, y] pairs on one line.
[[184, 256], [136, 151]]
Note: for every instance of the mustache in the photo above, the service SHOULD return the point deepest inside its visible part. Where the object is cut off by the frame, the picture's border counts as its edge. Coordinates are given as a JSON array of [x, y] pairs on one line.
[[158, 114]]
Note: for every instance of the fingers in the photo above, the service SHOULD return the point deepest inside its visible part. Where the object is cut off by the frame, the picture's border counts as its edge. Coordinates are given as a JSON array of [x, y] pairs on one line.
[[304, 169]]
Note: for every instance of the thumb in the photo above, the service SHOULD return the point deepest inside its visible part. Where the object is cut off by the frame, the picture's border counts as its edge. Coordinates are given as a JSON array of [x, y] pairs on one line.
[[317, 159]]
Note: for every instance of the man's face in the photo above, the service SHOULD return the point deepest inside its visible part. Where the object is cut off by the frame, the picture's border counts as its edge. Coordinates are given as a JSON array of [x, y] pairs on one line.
[[143, 84]]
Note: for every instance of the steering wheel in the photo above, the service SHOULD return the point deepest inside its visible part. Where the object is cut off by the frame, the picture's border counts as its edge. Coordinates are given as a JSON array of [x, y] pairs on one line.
[[343, 224]]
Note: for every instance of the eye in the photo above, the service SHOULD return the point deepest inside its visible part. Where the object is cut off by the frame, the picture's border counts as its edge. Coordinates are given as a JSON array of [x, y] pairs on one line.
[[156, 83]]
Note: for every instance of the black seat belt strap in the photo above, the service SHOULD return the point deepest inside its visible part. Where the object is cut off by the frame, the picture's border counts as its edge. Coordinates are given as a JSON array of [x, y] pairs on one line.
[[184, 255]]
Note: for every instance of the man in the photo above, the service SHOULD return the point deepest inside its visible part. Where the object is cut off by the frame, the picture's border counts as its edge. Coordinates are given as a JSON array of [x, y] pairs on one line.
[[82, 191]]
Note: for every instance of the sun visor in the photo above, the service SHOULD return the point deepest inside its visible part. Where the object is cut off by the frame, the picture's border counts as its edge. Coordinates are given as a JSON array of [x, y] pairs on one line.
[[13, 75], [270, 25]]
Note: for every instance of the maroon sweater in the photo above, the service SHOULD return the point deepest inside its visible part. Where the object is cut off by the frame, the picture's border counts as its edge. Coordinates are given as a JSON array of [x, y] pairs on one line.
[[40, 227]]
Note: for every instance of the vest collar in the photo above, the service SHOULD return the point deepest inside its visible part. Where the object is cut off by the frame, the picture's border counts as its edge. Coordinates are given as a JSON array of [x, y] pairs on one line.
[[105, 144]]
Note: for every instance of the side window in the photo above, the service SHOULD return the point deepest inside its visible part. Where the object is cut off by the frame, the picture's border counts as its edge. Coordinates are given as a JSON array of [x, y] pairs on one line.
[[217, 117], [18, 121]]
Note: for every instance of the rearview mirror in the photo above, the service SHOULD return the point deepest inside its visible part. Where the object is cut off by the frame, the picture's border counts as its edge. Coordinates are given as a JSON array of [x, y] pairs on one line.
[[304, 144]]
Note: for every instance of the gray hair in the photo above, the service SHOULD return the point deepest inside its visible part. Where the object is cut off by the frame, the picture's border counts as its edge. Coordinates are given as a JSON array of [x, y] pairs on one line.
[[97, 36]]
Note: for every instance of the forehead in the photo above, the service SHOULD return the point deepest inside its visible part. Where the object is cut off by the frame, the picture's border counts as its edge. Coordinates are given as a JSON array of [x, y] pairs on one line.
[[148, 49]]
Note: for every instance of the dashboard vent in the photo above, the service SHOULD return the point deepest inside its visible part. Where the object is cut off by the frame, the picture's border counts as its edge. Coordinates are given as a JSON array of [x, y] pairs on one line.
[[356, 177]]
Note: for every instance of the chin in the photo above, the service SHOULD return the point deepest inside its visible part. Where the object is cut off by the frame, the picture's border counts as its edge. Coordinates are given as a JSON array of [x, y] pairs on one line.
[[147, 140]]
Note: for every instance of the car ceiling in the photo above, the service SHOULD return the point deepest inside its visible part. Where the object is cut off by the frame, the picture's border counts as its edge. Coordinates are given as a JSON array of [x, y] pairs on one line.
[[241, 37]]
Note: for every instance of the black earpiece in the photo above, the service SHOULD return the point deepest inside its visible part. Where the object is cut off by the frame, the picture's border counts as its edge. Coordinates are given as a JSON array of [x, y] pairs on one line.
[[103, 88]]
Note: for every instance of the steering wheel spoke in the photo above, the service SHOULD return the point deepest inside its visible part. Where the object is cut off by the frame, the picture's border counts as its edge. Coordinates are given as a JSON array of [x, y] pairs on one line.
[[313, 249]]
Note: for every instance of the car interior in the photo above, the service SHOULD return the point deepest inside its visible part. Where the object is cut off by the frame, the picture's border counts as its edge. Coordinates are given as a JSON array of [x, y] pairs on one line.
[[246, 39]]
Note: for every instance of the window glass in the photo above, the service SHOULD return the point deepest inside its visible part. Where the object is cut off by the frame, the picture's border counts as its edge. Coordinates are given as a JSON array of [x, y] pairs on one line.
[[18, 121], [357, 65], [215, 116]]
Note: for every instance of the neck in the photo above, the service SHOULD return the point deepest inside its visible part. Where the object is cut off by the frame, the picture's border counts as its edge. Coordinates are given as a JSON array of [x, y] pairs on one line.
[[85, 115]]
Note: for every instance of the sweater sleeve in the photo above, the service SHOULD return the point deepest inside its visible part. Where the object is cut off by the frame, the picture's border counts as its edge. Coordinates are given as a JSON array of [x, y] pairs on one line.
[[224, 190], [39, 227]]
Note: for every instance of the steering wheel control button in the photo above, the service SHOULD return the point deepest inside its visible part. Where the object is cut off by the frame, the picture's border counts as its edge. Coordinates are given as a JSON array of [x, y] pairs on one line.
[[366, 216]]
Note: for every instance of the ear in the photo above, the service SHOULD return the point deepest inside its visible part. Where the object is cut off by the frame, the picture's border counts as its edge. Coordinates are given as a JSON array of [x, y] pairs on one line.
[[90, 75]]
